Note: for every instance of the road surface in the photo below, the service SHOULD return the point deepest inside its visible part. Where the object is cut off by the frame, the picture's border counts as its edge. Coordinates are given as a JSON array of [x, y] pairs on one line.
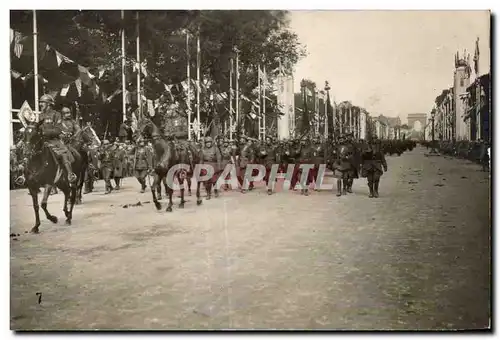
[[418, 257]]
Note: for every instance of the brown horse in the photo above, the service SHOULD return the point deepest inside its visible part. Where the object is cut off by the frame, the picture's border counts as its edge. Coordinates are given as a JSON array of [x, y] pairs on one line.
[[166, 156], [42, 169], [80, 142]]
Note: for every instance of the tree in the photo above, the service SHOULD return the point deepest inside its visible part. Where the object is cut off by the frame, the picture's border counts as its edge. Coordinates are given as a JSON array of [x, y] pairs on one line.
[[92, 39]]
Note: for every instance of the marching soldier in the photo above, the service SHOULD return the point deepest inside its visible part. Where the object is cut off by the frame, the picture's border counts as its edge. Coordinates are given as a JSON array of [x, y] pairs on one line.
[[373, 160], [226, 151], [246, 156], [91, 174], [143, 163], [118, 163], [106, 158], [212, 156], [270, 158], [51, 129]]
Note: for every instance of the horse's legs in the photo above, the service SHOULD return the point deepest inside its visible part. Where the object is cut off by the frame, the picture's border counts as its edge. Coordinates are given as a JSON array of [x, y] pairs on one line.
[[198, 194], [154, 188], [72, 200], [158, 189], [34, 198], [188, 181], [339, 187], [46, 192], [169, 193], [180, 178]]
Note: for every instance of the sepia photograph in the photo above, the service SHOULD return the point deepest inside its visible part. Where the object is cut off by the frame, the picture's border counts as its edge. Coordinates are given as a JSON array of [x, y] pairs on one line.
[[277, 170]]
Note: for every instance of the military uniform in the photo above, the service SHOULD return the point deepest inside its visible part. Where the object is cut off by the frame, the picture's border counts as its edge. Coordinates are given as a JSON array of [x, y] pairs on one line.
[[373, 160], [51, 130], [119, 161], [212, 156], [106, 157], [91, 173], [270, 157], [246, 156], [143, 163]]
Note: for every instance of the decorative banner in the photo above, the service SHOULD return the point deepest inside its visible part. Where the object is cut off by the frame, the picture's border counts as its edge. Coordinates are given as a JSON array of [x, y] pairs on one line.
[[15, 74], [60, 58], [18, 47], [78, 84], [64, 90], [26, 115]]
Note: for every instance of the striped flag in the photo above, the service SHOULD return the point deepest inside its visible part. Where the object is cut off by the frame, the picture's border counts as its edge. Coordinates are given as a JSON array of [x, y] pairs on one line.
[[60, 58], [78, 84], [18, 46], [64, 90]]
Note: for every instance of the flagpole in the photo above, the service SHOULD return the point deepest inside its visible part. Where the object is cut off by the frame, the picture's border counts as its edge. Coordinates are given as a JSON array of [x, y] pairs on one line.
[[264, 104], [231, 65], [260, 101], [139, 98], [238, 90], [35, 62], [198, 82], [188, 101], [124, 90]]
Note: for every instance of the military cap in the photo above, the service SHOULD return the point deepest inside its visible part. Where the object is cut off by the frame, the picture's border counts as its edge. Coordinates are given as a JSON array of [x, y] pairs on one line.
[[47, 98]]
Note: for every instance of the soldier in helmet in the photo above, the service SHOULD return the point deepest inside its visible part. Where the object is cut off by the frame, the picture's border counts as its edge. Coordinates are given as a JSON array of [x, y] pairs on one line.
[[118, 163], [211, 156], [143, 163], [246, 156], [270, 158], [106, 158], [373, 160], [51, 129], [226, 156], [69, 126]]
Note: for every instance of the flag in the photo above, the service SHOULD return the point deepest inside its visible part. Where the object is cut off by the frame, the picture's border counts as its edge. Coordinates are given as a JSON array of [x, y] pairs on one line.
[[15, 74], [78, 84], [18, 46], [476, 58], [64, 90], [60, 58]]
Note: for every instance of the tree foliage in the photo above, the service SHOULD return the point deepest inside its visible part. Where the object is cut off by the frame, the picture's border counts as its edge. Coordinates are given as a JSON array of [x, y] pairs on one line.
[[92, 38]]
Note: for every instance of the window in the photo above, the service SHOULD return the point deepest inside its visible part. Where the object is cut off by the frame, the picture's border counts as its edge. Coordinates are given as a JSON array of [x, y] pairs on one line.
[[461, 81]]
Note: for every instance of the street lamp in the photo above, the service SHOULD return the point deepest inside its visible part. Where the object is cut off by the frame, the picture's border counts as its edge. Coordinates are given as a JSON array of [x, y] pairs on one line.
[[327, 89], [433, 151]]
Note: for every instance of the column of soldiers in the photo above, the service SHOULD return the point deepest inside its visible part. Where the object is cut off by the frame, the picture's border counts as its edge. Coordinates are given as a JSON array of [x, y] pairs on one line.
[[122, 158]]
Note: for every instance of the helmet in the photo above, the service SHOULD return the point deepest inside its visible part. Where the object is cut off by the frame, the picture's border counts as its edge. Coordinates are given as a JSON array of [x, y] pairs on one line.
[[105, 142], [208, 139], [47, 98]]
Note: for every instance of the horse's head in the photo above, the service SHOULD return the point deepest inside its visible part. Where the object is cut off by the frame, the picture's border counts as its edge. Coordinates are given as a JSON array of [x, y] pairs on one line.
[[88, 136], [33, 138], [146, 128]]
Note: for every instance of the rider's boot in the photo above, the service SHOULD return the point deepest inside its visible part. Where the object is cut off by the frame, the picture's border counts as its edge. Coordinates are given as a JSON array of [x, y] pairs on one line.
[[69, 171]]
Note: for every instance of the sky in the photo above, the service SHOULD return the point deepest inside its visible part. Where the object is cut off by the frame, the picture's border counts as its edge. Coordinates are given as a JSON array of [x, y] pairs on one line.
[[389, 62]]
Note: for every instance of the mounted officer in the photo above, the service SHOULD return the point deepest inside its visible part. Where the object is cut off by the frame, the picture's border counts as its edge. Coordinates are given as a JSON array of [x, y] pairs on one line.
[[51, 130], [69, 125]]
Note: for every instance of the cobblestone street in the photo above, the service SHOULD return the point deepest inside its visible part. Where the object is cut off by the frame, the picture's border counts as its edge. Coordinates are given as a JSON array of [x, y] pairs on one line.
[[418, 257]]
